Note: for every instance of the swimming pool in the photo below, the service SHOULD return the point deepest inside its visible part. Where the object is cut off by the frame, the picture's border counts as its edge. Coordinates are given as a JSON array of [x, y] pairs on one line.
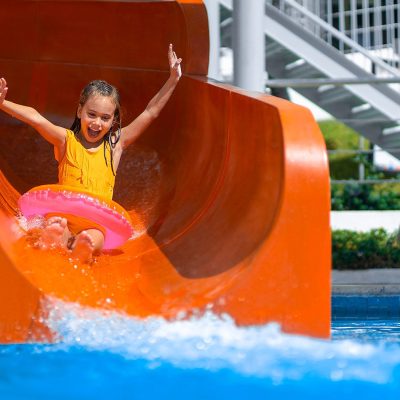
[[205, 357]]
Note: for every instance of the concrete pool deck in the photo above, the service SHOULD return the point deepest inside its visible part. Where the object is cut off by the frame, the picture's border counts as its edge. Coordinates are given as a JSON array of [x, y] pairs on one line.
[[378, 281]]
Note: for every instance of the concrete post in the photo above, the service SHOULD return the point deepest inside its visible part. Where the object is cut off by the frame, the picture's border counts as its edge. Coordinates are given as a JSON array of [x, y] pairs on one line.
[[215, 41], [248, 44]]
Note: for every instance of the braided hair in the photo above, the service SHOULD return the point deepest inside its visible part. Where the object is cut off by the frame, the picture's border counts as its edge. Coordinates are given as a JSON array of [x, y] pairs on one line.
[[102, 88]]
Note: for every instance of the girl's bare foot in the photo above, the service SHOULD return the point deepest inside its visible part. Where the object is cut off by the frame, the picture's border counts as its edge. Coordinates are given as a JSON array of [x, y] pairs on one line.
[[54, 234], [83, 247]]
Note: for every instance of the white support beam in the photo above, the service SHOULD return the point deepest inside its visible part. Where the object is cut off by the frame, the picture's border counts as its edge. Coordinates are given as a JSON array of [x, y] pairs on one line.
[[215, 41], [248, 44]]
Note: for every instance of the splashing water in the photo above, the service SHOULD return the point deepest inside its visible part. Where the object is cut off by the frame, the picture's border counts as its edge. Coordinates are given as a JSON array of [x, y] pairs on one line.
[[216, 342], [207, 356]]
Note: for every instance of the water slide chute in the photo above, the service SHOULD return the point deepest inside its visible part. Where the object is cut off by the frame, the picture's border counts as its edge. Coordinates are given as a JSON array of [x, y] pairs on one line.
[[231, 188]]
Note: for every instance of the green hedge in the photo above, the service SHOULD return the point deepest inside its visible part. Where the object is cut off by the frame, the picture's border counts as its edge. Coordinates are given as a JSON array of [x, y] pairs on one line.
[[339, 136], [383, 196], [350, 249], [363, 250]]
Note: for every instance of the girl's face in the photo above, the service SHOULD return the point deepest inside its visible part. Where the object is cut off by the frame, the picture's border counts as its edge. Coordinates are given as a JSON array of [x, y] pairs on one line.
[[97, 117]]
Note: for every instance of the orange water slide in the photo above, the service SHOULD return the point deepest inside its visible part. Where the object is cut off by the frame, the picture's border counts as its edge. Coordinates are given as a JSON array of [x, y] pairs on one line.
[[231, 187]]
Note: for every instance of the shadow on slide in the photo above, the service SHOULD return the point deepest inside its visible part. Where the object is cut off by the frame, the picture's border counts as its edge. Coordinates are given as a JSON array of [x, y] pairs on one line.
[[232, 187]]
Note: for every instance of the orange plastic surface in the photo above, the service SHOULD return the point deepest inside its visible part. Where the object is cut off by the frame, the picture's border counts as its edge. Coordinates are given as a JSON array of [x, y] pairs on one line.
[[232, 187]]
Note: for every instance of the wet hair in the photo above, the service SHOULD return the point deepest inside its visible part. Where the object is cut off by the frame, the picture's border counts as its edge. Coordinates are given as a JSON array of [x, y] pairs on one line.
[[102, 88]]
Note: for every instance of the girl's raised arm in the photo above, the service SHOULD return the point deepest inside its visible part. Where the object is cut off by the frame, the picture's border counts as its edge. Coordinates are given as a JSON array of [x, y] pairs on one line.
[[132, 131], [52, 133]]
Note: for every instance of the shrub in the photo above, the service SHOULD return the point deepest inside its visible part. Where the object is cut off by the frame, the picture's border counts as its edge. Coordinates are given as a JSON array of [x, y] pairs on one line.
[[354, 196], [338, 136], [363, 250]]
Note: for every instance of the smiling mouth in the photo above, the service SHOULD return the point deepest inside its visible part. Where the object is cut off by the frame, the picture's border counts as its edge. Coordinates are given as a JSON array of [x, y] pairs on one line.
[[93, 133]]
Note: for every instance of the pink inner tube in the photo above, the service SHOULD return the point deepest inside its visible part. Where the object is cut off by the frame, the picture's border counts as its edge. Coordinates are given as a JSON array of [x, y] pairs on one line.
[[56, 200]]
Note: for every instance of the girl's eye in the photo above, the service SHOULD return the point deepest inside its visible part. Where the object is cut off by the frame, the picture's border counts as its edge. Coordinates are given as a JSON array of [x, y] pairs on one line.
[[91, 115], [106, 119]]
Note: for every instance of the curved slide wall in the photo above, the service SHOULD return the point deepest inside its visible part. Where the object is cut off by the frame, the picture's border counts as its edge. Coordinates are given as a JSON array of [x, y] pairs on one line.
[[230, 188]]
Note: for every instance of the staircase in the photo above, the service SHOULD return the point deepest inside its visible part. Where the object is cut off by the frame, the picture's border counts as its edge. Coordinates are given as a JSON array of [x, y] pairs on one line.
[[297, 53]]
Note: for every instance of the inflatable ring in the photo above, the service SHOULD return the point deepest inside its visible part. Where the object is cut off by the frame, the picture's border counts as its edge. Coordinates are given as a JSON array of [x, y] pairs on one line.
[[82, 210]]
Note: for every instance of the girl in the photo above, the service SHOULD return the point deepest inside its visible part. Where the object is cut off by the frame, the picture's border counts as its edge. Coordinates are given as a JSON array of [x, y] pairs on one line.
[[89, 153]]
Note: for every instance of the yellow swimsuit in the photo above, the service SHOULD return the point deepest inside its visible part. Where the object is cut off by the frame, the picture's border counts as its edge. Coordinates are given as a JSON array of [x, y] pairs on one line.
[[87, 171]]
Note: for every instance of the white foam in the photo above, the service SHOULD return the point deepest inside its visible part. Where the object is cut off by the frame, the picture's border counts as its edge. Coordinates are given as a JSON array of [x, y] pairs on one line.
[[213, 342]]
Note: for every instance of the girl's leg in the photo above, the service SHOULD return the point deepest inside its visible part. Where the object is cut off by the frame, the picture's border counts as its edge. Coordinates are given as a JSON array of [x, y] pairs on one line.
[[55, 233], [86, 244]]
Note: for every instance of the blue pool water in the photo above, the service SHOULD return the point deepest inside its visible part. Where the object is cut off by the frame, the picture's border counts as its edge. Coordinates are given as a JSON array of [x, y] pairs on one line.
[[110, 355]]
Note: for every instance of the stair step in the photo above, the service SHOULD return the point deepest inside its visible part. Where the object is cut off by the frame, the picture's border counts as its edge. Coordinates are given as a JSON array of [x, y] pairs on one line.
[[302, 70], [273, 48], [366, 111], [390, 142], [335, 94], [298, 63], [278, 58], [391, 130]]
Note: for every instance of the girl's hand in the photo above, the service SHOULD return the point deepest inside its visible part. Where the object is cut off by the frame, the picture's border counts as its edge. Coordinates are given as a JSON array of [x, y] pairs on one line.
[[174, 63], [3, 89]]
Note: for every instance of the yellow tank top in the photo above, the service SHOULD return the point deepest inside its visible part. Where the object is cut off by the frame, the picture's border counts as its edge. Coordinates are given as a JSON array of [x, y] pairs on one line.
[[86, 170]]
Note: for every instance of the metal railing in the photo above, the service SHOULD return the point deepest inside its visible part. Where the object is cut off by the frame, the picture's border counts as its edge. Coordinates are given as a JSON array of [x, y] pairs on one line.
[[363, 177], [372, 23], [320, 21]]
